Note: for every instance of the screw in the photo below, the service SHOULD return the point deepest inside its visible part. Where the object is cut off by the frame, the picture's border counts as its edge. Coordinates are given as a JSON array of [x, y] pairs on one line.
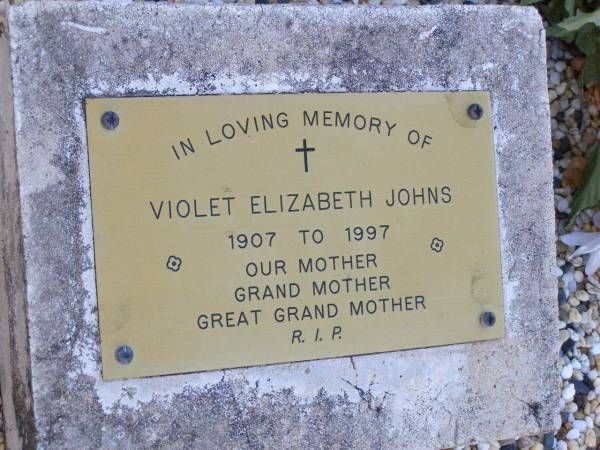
[[124, 354], [487, 319], [475, 111], [110, 120]]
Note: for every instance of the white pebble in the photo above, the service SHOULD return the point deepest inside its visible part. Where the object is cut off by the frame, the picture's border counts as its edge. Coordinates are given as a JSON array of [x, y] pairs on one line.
[[483, 446], [567, 372], [596, 219], [585, 363], [578, 275], [582, 296], [560, 66], [561, 88], [573, 434], [595, 350], [554, 78], [580, 425], [561, 445], [581, 221], [568, 284], [557, 52], [568, 392], [562, 205], [589, 422], [577, 261], [593, 374]]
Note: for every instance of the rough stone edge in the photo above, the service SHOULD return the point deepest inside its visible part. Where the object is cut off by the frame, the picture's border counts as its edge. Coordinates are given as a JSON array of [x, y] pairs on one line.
[[15, 369]]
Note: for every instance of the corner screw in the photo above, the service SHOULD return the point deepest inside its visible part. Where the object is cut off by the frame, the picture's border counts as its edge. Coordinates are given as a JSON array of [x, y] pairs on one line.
[[124, 354], [475, 111], [110, 120], [487, 319]]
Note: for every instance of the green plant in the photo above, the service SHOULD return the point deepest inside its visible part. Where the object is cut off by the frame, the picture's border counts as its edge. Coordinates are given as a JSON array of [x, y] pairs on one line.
[[576, 22], [588, 194]]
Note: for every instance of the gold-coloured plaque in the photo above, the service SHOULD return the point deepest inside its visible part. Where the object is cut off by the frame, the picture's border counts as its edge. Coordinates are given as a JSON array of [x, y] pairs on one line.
[[243, 230]]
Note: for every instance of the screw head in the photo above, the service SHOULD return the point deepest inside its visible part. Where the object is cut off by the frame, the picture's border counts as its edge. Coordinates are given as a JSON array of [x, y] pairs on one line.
[[124, 354], [475, 111], [110, 120], [487, 319]]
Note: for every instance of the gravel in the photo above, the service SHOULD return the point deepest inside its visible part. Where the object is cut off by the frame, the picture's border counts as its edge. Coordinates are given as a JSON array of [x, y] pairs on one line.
[[575, 129]]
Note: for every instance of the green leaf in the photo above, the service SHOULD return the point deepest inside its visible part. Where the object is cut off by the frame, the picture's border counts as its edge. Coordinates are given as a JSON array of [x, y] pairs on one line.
[[570, 7], [591, 69], [588, 194], [559, 32], [588, 39], [554, 11], [575, 23]]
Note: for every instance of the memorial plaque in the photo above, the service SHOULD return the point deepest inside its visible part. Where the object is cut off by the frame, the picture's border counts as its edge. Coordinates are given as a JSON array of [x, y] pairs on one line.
[[243, 230]]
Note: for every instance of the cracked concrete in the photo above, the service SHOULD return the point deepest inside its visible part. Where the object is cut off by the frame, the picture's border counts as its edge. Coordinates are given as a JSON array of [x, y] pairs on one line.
[[62, 52]]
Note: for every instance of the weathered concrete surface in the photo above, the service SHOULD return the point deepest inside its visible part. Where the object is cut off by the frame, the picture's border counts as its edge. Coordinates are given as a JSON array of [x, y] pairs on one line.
[[14, 355], [62, 52]]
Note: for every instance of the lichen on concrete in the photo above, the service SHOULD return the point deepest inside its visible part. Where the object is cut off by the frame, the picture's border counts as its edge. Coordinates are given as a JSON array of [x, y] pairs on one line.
[[63, 52]]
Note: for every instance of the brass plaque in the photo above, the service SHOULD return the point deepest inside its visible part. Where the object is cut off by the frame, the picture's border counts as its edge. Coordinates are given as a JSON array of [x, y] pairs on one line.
[[243, 230]]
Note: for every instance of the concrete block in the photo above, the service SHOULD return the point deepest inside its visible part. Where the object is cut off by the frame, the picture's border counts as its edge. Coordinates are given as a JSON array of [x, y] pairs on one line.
[[62, 52]]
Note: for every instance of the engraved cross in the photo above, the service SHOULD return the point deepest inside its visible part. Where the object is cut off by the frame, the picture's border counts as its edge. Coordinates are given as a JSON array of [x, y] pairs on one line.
[[304, 149]]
